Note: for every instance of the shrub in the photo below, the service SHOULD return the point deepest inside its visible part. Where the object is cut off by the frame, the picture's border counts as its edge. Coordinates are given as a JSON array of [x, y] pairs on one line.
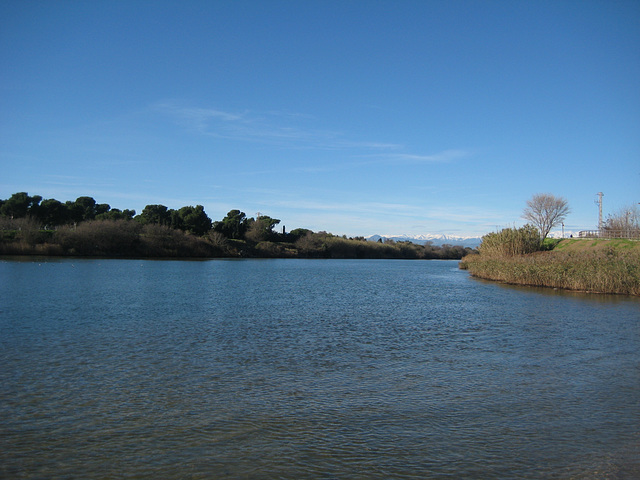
[[163, 241], [312, 244], [511, 241], [100, 237]]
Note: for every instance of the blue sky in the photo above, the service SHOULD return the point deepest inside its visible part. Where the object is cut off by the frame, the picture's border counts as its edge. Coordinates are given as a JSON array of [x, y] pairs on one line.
[[354, 117]]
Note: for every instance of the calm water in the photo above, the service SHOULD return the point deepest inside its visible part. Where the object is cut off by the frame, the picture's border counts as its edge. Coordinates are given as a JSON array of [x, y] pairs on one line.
[[310, 369]]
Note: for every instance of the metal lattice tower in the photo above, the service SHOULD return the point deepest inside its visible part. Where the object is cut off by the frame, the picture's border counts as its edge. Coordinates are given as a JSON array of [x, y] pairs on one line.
[[599, 203]]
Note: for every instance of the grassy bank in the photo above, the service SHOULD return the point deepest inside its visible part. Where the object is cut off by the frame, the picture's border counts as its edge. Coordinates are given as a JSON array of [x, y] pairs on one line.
[[591, 265]]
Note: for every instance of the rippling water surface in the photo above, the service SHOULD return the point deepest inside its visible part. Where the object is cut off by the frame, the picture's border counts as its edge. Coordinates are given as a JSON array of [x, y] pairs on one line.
[[310, 369]]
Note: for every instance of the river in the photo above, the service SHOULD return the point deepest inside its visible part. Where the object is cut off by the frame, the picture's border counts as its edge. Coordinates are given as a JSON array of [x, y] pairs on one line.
[[327, 369]]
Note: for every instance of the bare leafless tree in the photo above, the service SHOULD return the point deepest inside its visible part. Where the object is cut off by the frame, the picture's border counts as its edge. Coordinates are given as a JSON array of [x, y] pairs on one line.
[[546, 211], [217, 239], [626, 222]]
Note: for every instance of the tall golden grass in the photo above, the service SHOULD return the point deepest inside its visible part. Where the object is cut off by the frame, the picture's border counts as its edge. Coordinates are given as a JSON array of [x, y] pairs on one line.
[[601, 270], [511, 241]]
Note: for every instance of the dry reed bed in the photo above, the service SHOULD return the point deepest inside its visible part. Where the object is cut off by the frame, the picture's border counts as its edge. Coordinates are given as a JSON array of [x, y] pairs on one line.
[[602, 271]]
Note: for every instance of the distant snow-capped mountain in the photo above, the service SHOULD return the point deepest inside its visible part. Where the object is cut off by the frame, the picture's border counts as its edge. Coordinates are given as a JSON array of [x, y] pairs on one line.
[[435, 239], [440, 239]]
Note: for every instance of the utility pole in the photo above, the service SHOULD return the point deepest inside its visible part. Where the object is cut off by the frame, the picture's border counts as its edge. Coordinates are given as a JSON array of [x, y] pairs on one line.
[[599, 203]]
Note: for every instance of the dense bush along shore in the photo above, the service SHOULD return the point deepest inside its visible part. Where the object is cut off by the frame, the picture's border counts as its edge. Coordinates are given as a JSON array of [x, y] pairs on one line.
[[589, 265], [31, 225], [129, 238]]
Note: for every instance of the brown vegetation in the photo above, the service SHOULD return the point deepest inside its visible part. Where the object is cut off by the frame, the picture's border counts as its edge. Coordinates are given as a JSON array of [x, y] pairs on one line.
[[118, 238], [511, 241], [584, 265], [128, 238], [326, 245], [30, 225]]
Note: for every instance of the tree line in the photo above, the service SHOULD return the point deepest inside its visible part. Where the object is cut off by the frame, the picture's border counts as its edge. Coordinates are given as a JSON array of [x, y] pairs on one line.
[[33, 225]]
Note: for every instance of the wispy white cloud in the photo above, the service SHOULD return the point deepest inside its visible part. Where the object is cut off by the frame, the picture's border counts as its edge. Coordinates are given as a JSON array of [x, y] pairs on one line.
[[368, 217], [382, 218], [357, 207], [201, 120], [464, 214], [440, 157], [295, 131], [402, 158], [388, 158], [274, 127], [280, 128]]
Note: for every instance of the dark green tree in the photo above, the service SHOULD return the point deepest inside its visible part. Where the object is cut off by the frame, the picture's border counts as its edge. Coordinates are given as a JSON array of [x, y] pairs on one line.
[[234, 225], [193, 219], [85, 209], [176, 221], [261, 229], [116, 214], [74, 211], [297, 233], [102, 208], [19, 205], [155, 214], [52, 213], [128, 213], [35, 206]]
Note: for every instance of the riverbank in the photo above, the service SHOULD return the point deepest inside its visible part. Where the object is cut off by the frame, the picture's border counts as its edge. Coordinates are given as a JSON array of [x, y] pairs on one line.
[[130, 239], [590, 265]]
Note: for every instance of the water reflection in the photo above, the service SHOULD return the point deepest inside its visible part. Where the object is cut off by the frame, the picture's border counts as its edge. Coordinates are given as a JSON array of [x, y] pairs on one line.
[[558, 292]]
